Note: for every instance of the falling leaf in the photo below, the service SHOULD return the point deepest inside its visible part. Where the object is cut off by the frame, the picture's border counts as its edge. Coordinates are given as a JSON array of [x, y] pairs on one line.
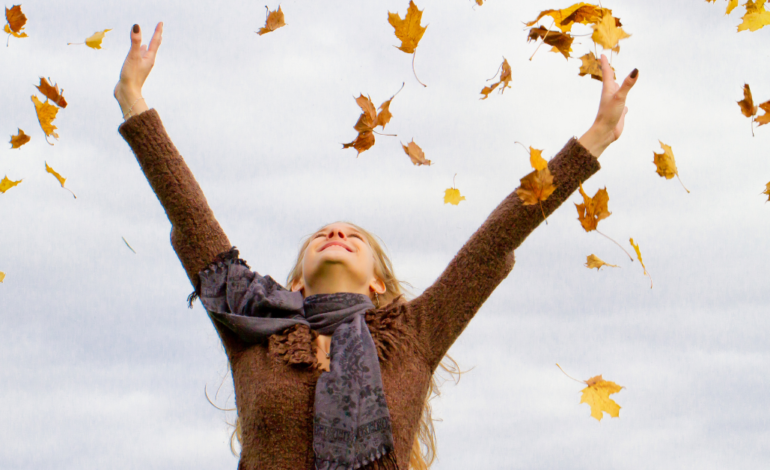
[[416, 154], [94, 41], [536, 187], [593, 209], [19, 139], [592, 66], [46, 113], [765, 118], [368, 120], [52, 92], [479, 2], [607, 34], [597, 396], [2, 277], [6, 184], [505, 80], [58, 177], [582, 13], [408, 30], [16, 21], [452, 196], [273, 21], [666, 164], [639, 255], [593, 261], [756, 16], [747, 103], [731, 4], [561, 42], [536, 159], [767, 191], [129, 246]]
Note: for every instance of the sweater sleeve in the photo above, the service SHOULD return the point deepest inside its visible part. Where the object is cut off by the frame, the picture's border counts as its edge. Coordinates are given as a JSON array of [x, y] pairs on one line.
[[444, 310], [195, 234]]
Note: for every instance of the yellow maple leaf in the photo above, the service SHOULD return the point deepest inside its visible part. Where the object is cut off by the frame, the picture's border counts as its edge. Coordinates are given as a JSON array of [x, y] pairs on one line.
[[416, 154], [2, 276], [665, 164], [273, 21], [639, 255], [408, 30], [536, 159], [59, 177], [6, 184], [593, 67], [46, 113], [593, 261], [582, 13], [607, 34], [452, 195], [756, 16], [593, 209], [94, 41], [19, 139], [597, 396]]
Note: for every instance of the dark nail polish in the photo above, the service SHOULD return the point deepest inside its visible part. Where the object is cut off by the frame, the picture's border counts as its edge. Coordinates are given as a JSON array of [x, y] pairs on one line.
[[634, 73], [136, 28]]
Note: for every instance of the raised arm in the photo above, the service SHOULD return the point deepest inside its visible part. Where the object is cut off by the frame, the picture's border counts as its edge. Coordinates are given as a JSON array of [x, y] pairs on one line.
[[443, 311], [195, 234]]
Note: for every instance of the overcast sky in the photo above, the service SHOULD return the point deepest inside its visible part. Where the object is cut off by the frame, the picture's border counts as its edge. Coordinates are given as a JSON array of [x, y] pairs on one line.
[[103, 365]]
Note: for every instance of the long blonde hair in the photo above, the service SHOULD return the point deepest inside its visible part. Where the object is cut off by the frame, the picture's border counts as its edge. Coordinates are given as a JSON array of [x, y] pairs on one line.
[[424, 447]]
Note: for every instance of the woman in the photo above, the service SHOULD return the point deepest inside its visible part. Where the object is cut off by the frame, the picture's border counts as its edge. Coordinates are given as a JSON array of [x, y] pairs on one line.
[[334, 372]]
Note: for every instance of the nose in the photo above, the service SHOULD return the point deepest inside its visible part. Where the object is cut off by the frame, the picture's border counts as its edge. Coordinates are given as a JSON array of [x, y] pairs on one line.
[[337, 233]]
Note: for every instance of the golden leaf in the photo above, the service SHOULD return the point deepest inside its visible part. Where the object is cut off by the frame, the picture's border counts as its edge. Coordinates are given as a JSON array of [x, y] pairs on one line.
[[536, 187], [94, 41], [767, 191], [408, 30], [416, 154], [639, 255], [666, 164], [536, 159], [452, 196], [756, 16], [59, 177], [593, 261], [6, 184], [561, 42], [765, 118], [747, 103], [593, 66], [505, 80], [368, 120], [273, 21], [607, 34], [46, 113], [19, 139], [2, 277], [16, 21], [593, 209], [582, 13], [52, 92], [363, 141], [597, 396], [731, 4]]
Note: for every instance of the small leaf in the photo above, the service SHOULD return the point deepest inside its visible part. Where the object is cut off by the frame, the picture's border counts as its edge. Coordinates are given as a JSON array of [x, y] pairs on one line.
[[561, 42], [767, 191], [536, 159], [665, 164], [59, 178], [6, 184], [593, 209], [765, 118], [597, 396], [607, 34], [94, 41], [639, 255], [273, 21], [747, 103], [46, 113], [505, 80], [2, 277], [452, 196], [593, 261], [415, 153], [19, 139], [52, 92]]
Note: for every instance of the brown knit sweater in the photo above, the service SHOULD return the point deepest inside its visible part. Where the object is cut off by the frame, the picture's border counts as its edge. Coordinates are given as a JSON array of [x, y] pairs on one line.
[[275, 382]]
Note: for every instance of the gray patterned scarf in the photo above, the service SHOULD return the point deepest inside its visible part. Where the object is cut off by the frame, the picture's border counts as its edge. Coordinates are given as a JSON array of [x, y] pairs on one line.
[[351, 424]]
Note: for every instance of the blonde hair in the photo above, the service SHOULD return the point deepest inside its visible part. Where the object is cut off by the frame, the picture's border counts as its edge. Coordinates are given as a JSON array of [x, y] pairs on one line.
[[424, 447]]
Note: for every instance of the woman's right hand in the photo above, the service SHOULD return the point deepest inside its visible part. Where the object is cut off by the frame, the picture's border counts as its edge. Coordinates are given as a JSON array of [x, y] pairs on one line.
[[136, 68]]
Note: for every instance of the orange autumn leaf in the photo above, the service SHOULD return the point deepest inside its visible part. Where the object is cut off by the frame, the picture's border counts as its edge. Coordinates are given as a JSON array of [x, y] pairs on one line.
[[16, 21], [756, 16], [273, 21], [58, 177], [561, 42], [639, 256], [52, 92], [593, 67], [536, 187], [747, 103], [593, 209], [415, 153], [46, 113], [765, 118], [582, 13], [368, 120], [6, 184], [2, 277], [597, 396], [593, 261], [505, 80], [665, 164], [536, 159], [19, 139], [408, 30], [767, 192], [607, 33]]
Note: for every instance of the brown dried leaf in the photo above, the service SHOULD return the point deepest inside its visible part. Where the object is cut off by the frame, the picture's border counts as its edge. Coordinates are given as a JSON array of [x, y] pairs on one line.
[[408, 30], [52, 92], [747, 103], [561, 42], [593, 261], [765, 118], [415, 153], [505, 80], [19, 139], [16, 21], [593, 209], [273, 21]]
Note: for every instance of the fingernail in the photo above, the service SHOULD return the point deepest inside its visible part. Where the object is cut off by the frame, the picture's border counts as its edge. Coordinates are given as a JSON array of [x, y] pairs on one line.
[[634, 73], [136, 28]]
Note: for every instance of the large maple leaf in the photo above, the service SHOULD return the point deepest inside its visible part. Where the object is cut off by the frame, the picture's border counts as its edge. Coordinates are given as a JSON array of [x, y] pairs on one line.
[[408, 30], [597, 396], [582, 13], [607, 33], [756, 16]]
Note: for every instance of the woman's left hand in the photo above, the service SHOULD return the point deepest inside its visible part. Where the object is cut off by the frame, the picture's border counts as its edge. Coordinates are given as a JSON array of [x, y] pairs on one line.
[[608, 124]]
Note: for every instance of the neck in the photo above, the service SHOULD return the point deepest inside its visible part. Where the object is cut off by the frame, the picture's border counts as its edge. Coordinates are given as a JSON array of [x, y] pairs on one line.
[[330, 282]]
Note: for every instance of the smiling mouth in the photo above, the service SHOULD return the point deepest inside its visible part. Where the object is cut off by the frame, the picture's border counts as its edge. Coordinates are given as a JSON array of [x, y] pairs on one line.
[[329, 245]]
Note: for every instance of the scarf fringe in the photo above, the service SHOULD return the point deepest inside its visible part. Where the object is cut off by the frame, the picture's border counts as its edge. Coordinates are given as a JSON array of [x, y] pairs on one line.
[[380, 459], [231, 254]]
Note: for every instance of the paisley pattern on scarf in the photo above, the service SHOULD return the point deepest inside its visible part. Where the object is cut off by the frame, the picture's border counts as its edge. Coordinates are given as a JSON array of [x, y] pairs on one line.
[[352, 425]]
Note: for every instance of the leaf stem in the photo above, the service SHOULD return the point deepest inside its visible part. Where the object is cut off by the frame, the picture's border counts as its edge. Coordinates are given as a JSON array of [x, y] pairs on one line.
[[386, 135], [680, 182], [414, 71], [75, 43], [541, 210], [543, 41], [613, 241], [571, 377], [498, 69]]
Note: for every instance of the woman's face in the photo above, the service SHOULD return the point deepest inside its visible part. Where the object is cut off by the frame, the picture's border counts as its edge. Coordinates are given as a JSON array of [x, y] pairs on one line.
[[338, 259]]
